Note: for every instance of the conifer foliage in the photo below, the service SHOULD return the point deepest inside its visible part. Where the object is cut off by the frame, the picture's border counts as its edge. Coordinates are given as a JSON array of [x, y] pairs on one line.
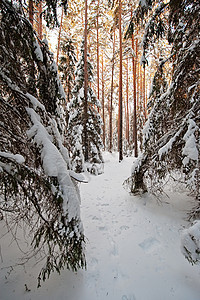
[[36, 190], [67, 63], [172, 134], [76, 123]]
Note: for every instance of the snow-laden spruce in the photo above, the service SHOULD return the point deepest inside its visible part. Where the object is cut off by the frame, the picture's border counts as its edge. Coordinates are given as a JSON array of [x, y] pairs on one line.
[[77, 119], [37, 192], [67, 64], [171, 138]]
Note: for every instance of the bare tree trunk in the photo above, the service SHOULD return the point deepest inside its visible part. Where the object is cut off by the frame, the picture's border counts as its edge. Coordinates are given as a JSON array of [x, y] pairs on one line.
[[144, 95], [85, 136], [139, 89], [98, 52], [127, 102], [103, 106], [135, 98], [59, 35], [30, 10], [120, 84], [111, 94], [39, 20]]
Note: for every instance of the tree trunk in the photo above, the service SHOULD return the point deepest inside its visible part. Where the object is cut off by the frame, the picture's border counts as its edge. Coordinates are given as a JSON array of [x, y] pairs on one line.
[[135, 98], [111, 95], [144, 95], [30, 10], [85, 136], [127, 106], [98, 52], [59, 35], [39, 20], [103, 106], [120, 85]]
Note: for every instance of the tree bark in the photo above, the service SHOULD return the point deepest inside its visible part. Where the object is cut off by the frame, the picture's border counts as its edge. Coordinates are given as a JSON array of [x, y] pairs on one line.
[[144, 95], [127, 104], [85, 136], [59, 35], [98, 51], [120, 86], [30, 10], [39, 20], [103, 106], [135, 97], [111, 95]]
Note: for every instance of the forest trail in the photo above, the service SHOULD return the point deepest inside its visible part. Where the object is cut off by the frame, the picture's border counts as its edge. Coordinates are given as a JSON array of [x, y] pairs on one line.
[[132, 248]]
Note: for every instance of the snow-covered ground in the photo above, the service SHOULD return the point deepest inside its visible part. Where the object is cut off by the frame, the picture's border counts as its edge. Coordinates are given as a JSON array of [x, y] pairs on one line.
[[132, 249]]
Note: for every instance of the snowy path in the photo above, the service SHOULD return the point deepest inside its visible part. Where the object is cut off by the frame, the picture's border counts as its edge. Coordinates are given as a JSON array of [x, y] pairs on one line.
[[132, 251]]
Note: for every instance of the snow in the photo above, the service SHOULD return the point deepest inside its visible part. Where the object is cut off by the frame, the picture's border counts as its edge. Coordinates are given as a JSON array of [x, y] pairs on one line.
[[143, 3], [60, 87], [167, 147], [190, 149], [143, 61], [16, 157], [132, 247], [54, 164], [191, 241], [34, 101], [38, 51], [78, 176]]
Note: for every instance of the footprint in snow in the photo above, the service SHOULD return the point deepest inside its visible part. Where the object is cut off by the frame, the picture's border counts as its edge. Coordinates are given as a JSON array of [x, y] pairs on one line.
[[94, 261], [95, 218], [131, 297], [124, 227], [149, 244], [103, 228], [114, 250]]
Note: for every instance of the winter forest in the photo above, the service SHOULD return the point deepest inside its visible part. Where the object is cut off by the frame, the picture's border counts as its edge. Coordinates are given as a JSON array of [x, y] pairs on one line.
[[100, 149]]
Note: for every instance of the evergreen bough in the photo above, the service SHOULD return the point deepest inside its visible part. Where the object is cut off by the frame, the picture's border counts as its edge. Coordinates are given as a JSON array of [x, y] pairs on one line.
[[36, 190]]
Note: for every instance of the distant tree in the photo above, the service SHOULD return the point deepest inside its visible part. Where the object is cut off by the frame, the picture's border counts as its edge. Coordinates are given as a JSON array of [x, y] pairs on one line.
[[120, 116], [171, 138], [103, 100], [37, 192], [59, 35], [85, 113], [97, 25], [76, 109], [67, 64], [111, 95]]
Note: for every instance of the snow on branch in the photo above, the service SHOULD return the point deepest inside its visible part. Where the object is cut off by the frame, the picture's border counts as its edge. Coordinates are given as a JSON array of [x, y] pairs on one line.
[[18, 158], [54, 165], [190, 243]]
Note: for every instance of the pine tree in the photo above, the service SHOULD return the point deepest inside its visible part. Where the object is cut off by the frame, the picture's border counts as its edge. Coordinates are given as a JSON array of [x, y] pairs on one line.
[[171, 138], [120, 116], [111, 95], [76, 123]]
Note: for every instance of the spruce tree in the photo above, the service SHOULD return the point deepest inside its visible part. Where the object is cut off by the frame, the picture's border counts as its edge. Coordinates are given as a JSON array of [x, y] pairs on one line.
[[36, 190], [67, 63], [171, 138], [76, 123]]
